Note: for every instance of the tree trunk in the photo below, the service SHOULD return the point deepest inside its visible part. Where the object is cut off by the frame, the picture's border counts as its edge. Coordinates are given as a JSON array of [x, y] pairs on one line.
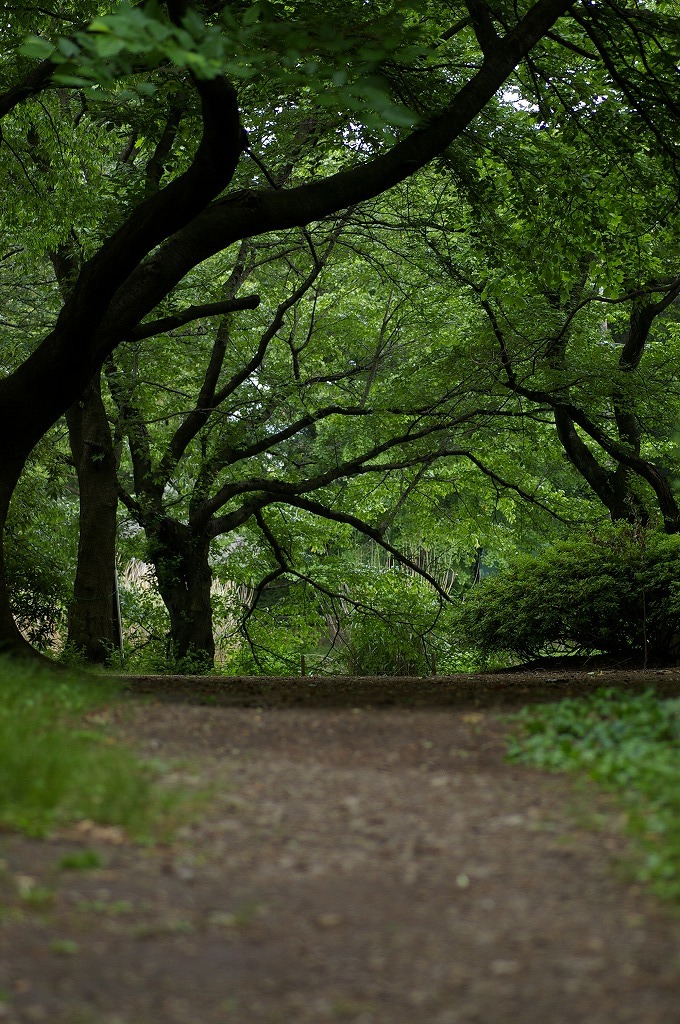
[[92, 623], [184, 581], [611, 487]]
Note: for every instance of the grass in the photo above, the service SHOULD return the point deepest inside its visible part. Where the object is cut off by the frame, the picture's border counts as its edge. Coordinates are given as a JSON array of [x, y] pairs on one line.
[[54, 770], [631, 746], [80, 860]]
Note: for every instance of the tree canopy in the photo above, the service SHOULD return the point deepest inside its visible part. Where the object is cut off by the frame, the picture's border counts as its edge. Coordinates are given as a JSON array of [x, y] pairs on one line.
[[372, 273]]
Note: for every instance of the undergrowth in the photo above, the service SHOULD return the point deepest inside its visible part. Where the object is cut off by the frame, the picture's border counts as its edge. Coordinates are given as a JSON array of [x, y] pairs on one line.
[[56, 767], [628, 744]]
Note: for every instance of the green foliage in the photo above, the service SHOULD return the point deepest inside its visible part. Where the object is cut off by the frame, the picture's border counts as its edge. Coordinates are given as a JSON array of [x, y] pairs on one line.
[[617, 593], [628, 744], [348, 611], [398, 629], [39, 575], [488, 268], [284, 635], [53, 770], [298, 49], [145, 620]]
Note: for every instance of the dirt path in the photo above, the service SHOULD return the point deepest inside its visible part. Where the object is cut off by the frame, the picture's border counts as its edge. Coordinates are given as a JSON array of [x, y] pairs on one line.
[[375, 865]]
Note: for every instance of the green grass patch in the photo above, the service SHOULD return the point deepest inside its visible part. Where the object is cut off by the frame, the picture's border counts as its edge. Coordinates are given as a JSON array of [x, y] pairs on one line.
[[631, 746], [64, 947], [80, 860], [55, 770]]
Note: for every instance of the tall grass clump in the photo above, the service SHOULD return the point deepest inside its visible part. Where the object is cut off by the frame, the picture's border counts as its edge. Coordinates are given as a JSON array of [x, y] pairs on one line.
[[56, 768], [629, 744]]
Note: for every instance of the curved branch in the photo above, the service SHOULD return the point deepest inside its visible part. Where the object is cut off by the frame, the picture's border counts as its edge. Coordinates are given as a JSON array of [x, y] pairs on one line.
[[317, 509], [251, 212], [61, 366]]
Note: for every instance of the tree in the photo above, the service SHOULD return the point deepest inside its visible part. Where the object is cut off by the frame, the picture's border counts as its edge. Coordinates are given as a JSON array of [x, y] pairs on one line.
[[574, 262], [139, 259], [326, 392], [93, 627]]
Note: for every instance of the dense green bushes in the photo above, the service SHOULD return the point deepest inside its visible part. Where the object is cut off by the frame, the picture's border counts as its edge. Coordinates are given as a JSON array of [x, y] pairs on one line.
[[617, 593]]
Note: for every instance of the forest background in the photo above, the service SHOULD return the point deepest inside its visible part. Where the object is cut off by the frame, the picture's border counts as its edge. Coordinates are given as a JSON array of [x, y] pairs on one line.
[[340, 347]]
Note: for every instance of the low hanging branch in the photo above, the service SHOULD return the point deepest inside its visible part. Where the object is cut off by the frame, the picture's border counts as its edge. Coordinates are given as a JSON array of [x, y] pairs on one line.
[[185, 316], [318, 509], [284, 567]]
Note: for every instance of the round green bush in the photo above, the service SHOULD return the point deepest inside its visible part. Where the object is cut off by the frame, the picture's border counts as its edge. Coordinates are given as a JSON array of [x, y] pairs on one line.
[[616, 593]]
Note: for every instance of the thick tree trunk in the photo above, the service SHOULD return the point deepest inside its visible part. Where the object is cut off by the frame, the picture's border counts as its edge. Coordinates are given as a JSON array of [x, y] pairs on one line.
[[92, 624], [184, 580]]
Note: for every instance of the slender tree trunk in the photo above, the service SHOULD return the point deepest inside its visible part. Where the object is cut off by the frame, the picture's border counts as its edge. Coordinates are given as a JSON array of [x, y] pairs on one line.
[[184, 581], [92, 624]]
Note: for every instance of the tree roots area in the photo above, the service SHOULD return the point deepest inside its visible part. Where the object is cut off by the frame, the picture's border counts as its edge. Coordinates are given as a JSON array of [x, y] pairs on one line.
[[363, 853]]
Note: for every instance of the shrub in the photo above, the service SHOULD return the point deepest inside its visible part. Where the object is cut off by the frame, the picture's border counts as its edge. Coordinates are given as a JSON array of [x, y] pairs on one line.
[[617, 593]]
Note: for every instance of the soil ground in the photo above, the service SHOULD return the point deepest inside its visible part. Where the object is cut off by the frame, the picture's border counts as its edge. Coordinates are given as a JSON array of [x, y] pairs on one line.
[[367, 855]]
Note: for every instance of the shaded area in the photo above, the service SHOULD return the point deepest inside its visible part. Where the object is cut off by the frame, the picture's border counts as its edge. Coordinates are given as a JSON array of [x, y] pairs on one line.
[[506, 689]]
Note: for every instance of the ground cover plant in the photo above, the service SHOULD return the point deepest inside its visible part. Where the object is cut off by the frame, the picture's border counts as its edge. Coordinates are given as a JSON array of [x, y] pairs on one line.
[[629, 745], [58, 766]]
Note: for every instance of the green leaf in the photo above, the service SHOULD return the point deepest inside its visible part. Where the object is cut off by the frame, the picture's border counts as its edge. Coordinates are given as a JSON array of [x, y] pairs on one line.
[[68, 48], [109, 46], [38, 48], [252, 15]]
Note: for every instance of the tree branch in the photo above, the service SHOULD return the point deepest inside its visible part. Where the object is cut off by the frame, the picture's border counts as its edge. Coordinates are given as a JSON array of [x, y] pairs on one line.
[[186, 316], [318, 509], [483, 26], [37, 79], [620, 452], [641, 321], [251, 212]]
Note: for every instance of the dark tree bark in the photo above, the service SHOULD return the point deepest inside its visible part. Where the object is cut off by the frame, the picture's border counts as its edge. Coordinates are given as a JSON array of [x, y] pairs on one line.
[[612, 487], [184, 580], [92, 621], [93, 626]]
